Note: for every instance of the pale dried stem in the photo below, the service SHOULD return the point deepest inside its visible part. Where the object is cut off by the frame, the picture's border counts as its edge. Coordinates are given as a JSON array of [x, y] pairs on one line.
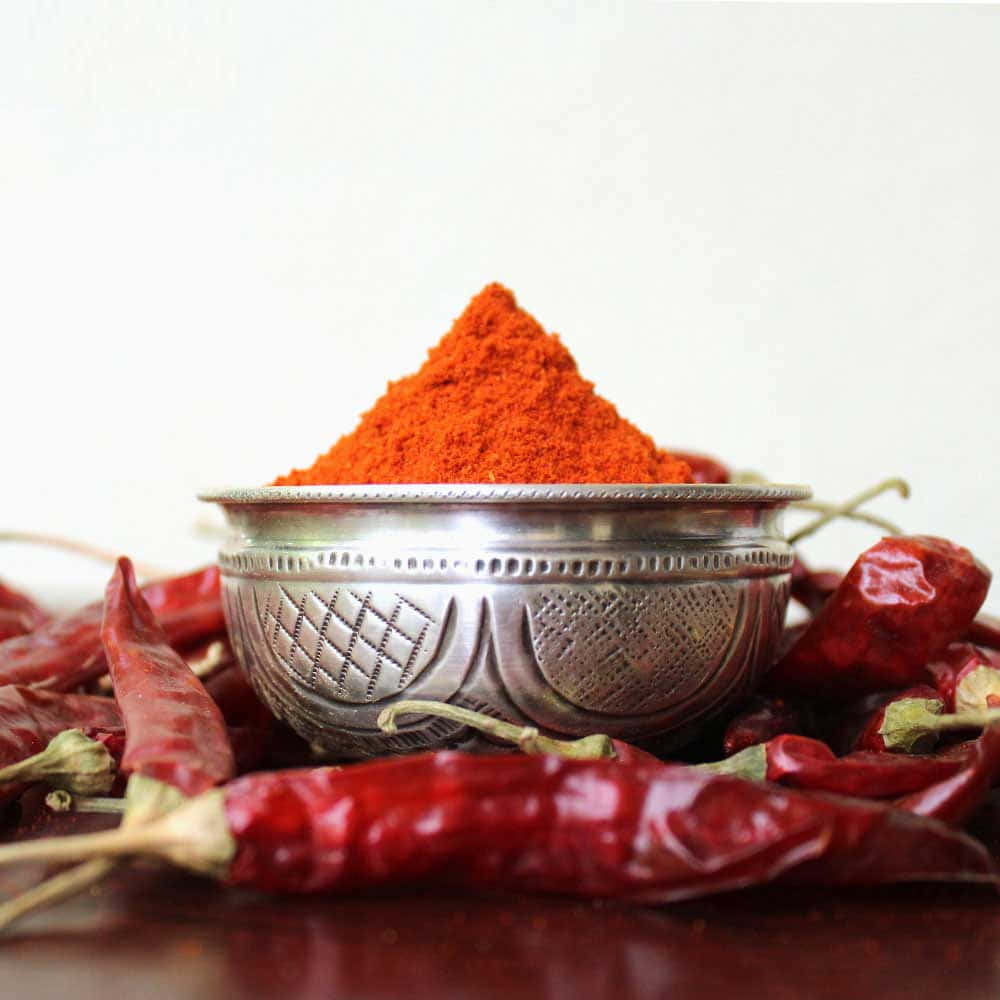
[[849, 507], [144, 570], [527, 738]]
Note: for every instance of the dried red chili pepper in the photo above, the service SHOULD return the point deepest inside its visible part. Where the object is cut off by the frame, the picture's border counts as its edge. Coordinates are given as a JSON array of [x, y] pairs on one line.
[[704, 468], [30, 718], [19, 614], [954, 799], [764, 718], [14, 623], [804, 763], [67, 652], [15, 600], [984, 631], [813, 588], [251, 724], [531, 823], [872, 737], [967, 676], [902, 602], [174, 732]]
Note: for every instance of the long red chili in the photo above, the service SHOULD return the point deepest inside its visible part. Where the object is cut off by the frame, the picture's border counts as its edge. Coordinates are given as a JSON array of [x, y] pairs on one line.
[[19, 614], [174, 732], [30, 718], [954, 799], [801, 762], [902, 601], [533, 823], [66, 652]]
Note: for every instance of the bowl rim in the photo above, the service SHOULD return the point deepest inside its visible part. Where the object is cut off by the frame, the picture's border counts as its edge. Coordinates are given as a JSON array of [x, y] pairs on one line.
[[511, 493]]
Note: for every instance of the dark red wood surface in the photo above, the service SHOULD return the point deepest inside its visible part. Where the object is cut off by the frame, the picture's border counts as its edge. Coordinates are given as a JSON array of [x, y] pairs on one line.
[[157, 933]]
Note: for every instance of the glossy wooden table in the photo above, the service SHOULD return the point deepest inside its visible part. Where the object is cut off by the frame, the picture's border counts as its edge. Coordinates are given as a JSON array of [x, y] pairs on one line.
[[157, 933]]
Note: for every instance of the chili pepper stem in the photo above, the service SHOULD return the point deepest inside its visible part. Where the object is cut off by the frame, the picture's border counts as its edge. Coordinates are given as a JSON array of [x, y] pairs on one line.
[[62, 801], [528, 738], [910, 723], [750, 764], [748, 477], [194, 836], [899, 485], [71, 760], [61, 886], [82, 548], [819, 507], [146, 799]]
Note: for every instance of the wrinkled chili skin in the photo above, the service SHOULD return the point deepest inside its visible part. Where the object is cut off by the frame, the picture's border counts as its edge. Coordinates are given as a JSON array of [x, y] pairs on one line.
[[581, 828], [871, 739], [902, 602], [19, 614], [762, 719], [174, 731], [66, 652], [799, 762], [14, 623], [30, 718], [955, 662], [985, 631], [953, 800], [251, 724], [813, 588], [30, 612]]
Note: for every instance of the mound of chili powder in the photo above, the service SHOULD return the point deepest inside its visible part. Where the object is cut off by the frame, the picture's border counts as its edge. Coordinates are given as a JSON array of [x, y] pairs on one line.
[[497, 400]]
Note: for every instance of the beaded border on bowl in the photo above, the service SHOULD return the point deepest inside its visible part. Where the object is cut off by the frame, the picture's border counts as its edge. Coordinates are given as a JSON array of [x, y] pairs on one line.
[[517, 493]]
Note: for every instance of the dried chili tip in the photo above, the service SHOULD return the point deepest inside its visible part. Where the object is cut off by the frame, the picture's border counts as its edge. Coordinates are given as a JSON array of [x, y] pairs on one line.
[[902, 601], [71, 761], [921, 698]]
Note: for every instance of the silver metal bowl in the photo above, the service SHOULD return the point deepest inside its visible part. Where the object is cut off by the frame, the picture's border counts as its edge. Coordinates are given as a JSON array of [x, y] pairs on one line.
[[637, 611]]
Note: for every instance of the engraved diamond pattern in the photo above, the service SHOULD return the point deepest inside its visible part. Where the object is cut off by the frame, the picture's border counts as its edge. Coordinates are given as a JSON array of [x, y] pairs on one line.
[[348, 643], [616, 650]]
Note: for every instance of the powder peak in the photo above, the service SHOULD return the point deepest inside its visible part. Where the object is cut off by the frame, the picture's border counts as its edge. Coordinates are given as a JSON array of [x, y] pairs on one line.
[[497, 400]]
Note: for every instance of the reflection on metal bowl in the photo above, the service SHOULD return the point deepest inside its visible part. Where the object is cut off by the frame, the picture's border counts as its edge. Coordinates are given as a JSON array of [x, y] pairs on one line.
[[638, 611]]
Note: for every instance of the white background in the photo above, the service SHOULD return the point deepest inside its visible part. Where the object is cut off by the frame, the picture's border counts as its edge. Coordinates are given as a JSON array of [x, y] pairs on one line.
[[767, 232]]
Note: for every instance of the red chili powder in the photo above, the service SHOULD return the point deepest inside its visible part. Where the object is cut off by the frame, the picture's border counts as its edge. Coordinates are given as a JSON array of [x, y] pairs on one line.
[[498, 400]]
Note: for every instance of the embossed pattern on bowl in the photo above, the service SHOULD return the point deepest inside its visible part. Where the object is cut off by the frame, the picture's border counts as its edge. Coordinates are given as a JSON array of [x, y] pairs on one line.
[[638, 611]]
